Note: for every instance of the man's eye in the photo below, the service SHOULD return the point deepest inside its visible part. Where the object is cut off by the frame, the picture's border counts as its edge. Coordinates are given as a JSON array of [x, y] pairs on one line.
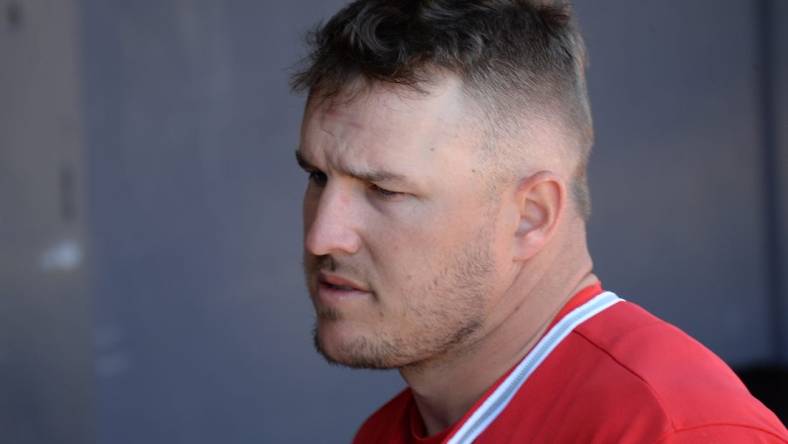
[[383, 192], [318, 178]]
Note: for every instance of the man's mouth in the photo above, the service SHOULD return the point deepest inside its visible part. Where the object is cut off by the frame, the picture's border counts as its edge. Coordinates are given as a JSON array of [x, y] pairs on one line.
[[339, 287], [333, 288], [339, 283]]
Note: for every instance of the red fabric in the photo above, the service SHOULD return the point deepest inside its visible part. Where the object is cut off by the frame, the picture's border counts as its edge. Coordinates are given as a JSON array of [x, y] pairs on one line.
[[623, 376]]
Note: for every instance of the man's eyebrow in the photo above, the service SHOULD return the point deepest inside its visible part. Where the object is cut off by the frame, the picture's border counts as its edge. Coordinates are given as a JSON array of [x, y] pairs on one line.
[[365, 175]]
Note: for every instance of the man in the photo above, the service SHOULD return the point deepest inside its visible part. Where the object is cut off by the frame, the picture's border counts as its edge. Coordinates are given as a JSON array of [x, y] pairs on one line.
[[446, 144]]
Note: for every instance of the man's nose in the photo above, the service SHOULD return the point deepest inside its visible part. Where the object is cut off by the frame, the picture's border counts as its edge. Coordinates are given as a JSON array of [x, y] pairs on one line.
[[331, 225]]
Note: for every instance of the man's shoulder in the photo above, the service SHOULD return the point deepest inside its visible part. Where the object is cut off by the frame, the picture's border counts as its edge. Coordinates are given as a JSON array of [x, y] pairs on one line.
[[656, 352], [688, 388], [659, 355], [626, 376]]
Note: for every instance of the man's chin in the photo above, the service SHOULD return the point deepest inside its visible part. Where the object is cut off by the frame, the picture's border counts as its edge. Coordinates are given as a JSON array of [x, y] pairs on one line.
[[357, 353]]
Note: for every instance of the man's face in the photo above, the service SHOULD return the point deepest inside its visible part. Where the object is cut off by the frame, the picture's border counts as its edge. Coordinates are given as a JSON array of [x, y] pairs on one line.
[[399, 227]]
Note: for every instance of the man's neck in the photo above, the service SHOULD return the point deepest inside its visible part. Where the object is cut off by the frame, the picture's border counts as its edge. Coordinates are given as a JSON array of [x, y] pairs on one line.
[[445, 389]]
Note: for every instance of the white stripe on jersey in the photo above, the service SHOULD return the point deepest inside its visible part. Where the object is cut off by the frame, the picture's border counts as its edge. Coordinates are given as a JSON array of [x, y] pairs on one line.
[[500, 398]]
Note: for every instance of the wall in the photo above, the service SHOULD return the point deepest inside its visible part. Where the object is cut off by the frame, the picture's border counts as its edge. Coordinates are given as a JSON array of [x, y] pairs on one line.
[[46, 362]]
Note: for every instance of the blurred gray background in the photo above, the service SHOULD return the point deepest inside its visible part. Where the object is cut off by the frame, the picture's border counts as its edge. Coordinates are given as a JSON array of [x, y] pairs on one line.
[[150, 283]]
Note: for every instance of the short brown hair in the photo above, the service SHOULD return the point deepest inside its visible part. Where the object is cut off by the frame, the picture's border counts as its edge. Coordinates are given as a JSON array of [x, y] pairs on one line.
[[506, 52]]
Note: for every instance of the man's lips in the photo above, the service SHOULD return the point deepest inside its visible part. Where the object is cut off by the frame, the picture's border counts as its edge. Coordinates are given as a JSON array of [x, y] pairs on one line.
[[339, 283], [332, 288]]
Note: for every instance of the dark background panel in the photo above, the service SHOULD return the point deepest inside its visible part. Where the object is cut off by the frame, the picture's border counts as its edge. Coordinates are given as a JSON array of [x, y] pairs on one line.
[[768, 380], [780, 119]]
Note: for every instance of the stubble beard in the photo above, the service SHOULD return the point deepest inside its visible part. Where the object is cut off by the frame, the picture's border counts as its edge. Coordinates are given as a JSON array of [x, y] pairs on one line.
[[445, 319]]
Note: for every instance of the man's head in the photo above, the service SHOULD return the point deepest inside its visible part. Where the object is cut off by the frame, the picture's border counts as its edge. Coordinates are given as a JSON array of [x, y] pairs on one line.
[[520, 60], [443, 141]]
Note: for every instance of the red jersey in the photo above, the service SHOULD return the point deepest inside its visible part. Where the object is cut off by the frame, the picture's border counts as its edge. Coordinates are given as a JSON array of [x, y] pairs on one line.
[[606, 371]]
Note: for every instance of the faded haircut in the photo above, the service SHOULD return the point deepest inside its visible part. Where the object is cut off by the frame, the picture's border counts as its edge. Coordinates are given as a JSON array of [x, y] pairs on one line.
[[512, 56]]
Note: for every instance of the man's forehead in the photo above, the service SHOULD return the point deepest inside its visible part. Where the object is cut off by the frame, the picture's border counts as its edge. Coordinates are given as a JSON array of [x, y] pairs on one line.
[[357, 106], [383, 117]]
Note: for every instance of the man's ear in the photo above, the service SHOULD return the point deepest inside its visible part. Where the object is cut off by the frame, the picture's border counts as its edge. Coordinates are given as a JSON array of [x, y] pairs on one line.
[[540, 201]]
